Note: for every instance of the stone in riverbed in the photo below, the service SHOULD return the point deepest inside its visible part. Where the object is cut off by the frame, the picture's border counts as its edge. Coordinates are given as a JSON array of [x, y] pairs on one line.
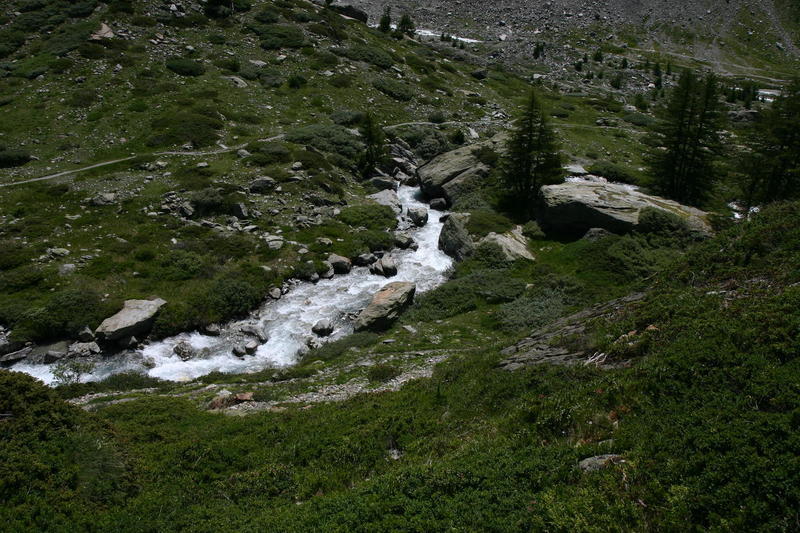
[[136, 317], [365, 259], [439, 204], [341, 265], [184, 350], [386, 306], [385, 266], [323, 328], [418, 215]]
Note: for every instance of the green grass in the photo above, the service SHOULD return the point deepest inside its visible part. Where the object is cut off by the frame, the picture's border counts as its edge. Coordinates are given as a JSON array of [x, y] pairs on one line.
[[707, 402]]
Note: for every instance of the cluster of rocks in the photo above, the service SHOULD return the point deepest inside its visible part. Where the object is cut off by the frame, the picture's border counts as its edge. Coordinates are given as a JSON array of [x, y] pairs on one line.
[[125, 329]]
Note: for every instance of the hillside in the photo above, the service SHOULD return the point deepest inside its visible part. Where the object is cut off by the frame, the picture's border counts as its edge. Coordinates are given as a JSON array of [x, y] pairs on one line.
[[720, 35]]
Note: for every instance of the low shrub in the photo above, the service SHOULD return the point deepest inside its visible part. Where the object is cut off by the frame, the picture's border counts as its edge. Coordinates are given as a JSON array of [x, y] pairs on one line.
[[532, 230], [281, 36], [612, 171], [13, 158], [368, 54], [335, 349], [185, 67], [296, 81], [483, 221], [395, 89], [383, 372], [370, 216], [177, 127], [347, 117], [328, 138]]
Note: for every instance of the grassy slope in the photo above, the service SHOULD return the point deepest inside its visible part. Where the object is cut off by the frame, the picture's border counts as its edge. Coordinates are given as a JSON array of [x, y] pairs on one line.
[[706, 419]]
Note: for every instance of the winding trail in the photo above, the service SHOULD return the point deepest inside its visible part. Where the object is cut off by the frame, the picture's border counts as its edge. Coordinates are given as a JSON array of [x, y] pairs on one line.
[[129, 158]]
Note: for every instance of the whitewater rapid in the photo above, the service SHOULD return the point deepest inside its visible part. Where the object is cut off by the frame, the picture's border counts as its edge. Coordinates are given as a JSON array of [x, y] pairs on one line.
[[287, 322]]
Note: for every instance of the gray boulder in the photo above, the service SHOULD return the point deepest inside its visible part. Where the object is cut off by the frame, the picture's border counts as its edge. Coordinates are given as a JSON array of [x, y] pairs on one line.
[[83, 349], [595, 234], [386, 306], [383, 183], [385, 266], [136, 317], [403, 241], [323, 328], [418, 215], [341, 265], [262, 185], [365, 259], [454, 239], [184, 350], [598, 462], [388, 198], [513, 245], [438, 204], [452, 174], [575, 207]]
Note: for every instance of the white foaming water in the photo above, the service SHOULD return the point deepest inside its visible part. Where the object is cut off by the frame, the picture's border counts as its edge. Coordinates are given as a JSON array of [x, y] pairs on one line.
[[286, 322]]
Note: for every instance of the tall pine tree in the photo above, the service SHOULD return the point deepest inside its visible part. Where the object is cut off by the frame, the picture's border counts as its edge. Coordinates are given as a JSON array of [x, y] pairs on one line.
[[385, 25], [374, 154], [772, 166], [686, 140], [532, 158]]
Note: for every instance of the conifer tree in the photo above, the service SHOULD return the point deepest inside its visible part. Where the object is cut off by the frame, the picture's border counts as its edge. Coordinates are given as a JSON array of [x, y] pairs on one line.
[[532, 158], [686, 140], [385, 25], [772, 166], [374, 152], [406, 26]]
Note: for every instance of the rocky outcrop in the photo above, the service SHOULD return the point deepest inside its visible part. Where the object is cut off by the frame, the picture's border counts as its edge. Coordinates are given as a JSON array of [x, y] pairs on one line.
[[599, 462], [513, 245], [454, 239], [452, 174], [135, 318], [386, 306], [574, 207], [388, 198]]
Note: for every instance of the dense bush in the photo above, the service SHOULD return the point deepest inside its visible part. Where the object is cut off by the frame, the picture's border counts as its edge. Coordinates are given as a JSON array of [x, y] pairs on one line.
[[612, 172], [281, 36], [225, 8], [484, 221], [371, 216], [185, 67], [13, 158], [394, 88], [334, 349], [265, 154], [383, 372], [532, 230], [347, 117], [328, 138], [63, 315], [175, 127], [368, 54], [464, 294]]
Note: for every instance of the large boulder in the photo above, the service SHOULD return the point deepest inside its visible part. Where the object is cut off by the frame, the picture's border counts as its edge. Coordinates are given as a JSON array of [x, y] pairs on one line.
[[418, 215], [513, 244], [341, 265], [388, 198], [454, 239], [135, 318], [452, 174], [574, 207], [386, 306]]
